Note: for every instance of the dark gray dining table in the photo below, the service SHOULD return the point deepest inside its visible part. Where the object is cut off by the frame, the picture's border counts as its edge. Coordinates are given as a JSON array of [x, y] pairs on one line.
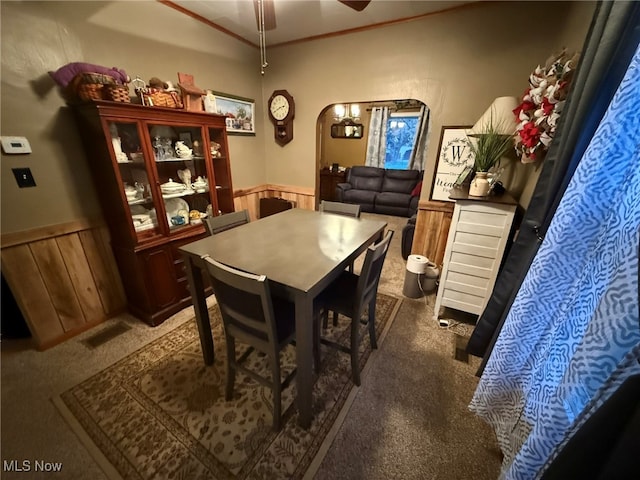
[[300, 252]]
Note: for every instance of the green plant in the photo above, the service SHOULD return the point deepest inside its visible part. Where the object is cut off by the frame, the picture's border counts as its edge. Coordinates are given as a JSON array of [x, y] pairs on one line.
[[489, 147]]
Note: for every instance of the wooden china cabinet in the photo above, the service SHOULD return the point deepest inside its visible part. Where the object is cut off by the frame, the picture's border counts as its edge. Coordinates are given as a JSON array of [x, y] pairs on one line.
[[157, 171]]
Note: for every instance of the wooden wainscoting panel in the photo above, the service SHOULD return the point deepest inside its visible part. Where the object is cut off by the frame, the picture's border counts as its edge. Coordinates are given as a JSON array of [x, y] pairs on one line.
[[442, 238], [249, 198], [58, 282], [80, 274], [95, 243], [432, 228], [49, 231], [243, 203], [23, 276], [63, 277]]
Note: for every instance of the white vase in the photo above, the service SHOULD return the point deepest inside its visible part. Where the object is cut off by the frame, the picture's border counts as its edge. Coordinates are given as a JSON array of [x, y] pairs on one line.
[[479, 185], [209, 101]]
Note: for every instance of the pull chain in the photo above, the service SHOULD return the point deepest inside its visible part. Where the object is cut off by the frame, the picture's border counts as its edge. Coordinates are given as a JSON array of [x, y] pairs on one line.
[[261, 32]]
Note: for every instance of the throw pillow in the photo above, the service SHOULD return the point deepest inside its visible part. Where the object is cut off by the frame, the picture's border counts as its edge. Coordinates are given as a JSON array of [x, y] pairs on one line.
[[416, 190]]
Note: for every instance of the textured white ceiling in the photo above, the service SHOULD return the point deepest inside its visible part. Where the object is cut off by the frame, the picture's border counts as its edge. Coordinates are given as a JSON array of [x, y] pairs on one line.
[[299, 19]]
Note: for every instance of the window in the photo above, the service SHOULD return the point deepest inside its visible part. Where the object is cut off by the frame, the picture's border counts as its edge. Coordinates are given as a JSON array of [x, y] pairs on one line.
[[402, 132]]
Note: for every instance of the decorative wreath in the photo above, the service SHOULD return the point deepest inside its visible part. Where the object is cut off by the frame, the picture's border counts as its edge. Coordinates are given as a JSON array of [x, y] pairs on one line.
[[541, 106]]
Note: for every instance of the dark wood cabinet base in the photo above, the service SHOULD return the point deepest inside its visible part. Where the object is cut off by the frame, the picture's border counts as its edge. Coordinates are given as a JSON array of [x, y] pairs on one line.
[[328, 182]]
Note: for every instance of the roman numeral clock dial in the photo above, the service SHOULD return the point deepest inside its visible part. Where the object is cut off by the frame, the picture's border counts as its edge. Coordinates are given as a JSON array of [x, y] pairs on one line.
[[281, 113]]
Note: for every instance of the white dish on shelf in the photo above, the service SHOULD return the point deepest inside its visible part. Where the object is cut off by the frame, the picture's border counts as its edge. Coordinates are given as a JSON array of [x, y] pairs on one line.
[[138, 201], [179, 194], [172, 187], [143, 227], [142, 218], [174, 159], [173, 207]]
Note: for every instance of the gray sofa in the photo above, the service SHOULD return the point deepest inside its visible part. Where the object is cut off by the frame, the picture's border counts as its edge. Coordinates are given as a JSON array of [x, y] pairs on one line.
[[379, 190]]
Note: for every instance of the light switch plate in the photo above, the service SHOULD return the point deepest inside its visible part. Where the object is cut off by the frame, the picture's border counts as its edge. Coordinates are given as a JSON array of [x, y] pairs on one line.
[[15, 145], [24, 177]]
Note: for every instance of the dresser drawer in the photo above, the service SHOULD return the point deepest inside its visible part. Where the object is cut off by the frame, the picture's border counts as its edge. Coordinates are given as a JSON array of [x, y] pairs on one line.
[[462, 301], [463, 282], [471, 264], [474, 244]]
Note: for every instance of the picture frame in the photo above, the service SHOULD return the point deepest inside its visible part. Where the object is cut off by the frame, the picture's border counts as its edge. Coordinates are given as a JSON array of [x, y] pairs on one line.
[[465, 177], [186, 138], [453, 161], [240, 112]]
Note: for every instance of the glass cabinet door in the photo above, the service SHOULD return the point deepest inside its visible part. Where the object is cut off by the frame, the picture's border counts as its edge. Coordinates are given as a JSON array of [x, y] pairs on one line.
[[181, 167], [221, 173], [136, 187]]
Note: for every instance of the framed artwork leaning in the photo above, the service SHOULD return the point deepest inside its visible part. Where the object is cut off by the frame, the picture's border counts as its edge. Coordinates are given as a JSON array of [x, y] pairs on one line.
[[454, 158], [240, 113]]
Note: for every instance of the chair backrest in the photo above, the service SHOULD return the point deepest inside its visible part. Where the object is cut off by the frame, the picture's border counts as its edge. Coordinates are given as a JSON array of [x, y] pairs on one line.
[[372, 269], [245, 303], [348, 209], [227, 221]]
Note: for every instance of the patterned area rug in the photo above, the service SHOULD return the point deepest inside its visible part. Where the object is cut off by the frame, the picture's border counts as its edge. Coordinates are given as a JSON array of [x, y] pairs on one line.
[[159, 413]]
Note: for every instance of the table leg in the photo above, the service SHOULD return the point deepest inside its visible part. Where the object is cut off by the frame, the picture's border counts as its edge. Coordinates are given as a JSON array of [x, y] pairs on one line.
[[199, 299], [304, 357]]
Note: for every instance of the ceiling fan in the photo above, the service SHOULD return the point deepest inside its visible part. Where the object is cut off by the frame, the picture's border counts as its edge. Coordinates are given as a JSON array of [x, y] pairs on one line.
[[266, 12], [357, 5], [266, 20]]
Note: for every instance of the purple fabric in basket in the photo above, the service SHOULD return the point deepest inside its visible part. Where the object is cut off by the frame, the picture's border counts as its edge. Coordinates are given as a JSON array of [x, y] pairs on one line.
[[65, 74]]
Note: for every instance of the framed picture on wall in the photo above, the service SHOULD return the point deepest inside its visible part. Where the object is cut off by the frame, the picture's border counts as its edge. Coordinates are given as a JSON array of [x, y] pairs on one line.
[[240, 111], [454, 158]]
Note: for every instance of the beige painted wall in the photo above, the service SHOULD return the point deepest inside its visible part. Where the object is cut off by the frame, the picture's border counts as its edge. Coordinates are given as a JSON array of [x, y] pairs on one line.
[[345, 151], [455, 62], [144, 38]]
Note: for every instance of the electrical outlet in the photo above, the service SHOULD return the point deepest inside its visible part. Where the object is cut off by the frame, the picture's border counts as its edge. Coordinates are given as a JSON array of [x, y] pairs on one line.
[[24, 177]]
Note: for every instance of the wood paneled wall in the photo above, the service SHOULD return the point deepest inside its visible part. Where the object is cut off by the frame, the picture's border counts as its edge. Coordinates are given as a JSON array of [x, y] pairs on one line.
[[432, 229], [63, 277], [249, 199]]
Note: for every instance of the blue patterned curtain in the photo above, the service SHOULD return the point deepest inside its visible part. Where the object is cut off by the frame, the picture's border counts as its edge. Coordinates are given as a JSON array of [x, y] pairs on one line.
[[572, 335], [419, 152], [377, 141]]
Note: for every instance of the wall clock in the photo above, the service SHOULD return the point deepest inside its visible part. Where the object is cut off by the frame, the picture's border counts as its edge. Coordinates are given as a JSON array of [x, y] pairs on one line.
[[281, 112]]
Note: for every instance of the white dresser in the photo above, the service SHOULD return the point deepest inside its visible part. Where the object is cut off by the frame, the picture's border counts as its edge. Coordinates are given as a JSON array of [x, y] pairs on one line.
[[477, 238]]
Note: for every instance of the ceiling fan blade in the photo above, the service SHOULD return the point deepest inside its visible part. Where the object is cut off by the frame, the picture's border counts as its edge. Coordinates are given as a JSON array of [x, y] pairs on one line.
[[357, 5], [269, 14]]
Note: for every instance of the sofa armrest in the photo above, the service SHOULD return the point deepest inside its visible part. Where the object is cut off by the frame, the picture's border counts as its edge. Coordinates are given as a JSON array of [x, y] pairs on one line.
[[413, 206], [407, 237], [340, 189]]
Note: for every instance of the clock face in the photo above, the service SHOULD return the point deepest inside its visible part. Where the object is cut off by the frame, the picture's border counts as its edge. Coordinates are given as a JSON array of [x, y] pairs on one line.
[[279, 107]]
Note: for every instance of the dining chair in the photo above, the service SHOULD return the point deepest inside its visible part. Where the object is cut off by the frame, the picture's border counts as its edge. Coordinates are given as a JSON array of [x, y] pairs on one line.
[[349, 295], [251, 315], [348, 209], [215, 225]]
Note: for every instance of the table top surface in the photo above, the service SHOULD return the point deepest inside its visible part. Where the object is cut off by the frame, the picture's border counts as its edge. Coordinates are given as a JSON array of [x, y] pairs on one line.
[[296, 248]]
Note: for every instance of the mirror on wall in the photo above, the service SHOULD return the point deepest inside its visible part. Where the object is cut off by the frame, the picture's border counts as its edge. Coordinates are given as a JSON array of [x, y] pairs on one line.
[[347, 129]]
